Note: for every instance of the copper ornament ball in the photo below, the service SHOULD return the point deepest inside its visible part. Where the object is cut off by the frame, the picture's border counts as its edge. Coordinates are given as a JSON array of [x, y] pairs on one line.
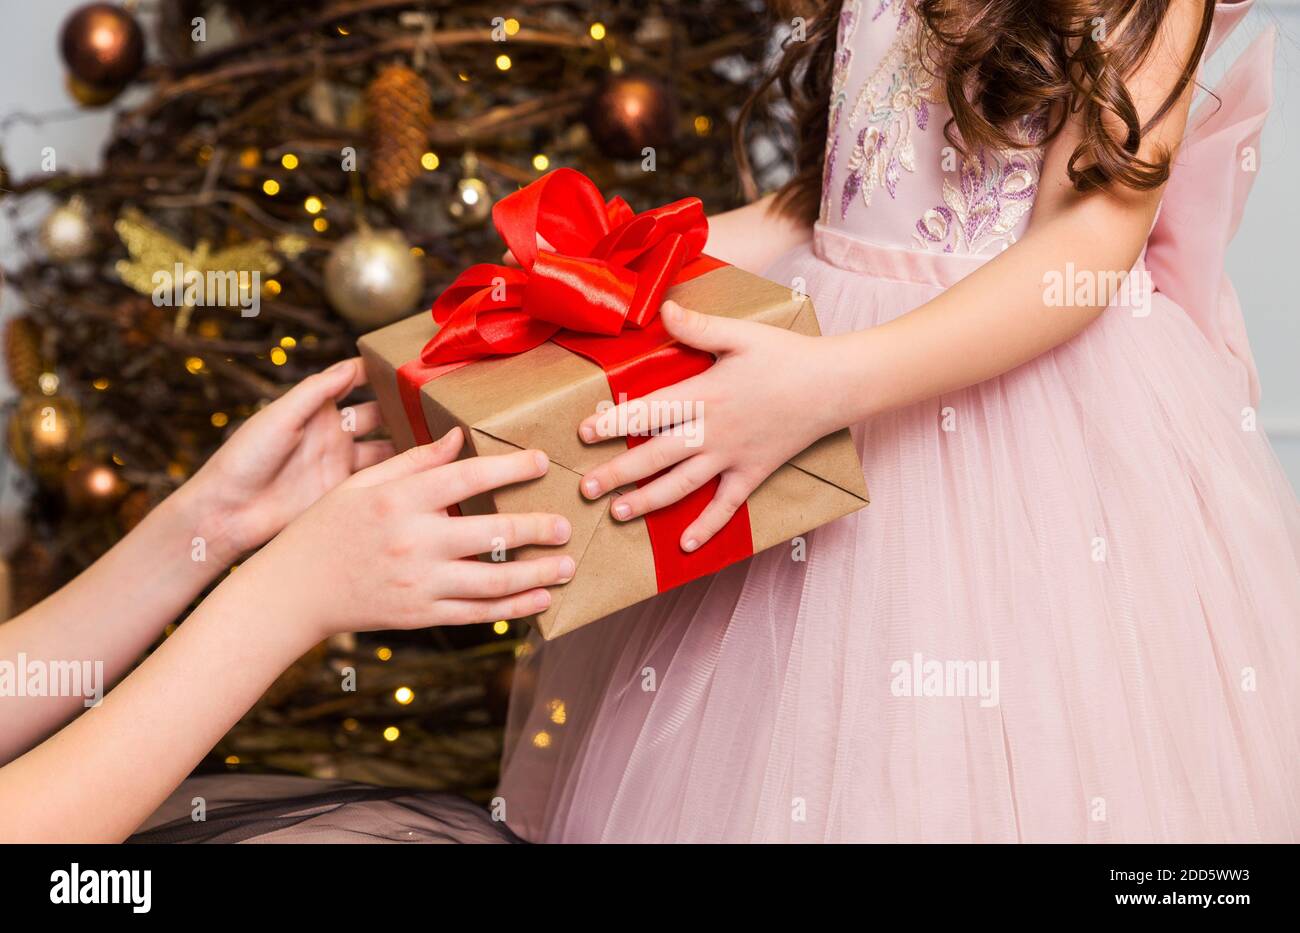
[[92, 486], [102, 45], [630, 114]]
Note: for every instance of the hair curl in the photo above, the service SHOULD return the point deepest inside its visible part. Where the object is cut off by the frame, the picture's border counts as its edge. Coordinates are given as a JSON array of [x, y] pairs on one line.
[[997, 61]]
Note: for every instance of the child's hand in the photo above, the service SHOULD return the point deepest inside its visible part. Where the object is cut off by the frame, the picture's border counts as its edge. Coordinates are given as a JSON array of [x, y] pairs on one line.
[[380, 551], [765, 399], [283, 459]]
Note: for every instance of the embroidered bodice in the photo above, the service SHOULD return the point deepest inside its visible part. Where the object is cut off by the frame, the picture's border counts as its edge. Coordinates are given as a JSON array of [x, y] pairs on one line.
[[891, 177]]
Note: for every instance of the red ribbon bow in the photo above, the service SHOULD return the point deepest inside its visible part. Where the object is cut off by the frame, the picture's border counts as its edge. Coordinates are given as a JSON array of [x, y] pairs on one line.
[[596, 293], [608, 268]]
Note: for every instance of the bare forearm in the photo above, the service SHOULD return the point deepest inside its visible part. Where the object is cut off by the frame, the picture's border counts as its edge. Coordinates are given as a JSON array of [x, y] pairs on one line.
[[997, 318], [102, 775], [108, 615], [751, 237]]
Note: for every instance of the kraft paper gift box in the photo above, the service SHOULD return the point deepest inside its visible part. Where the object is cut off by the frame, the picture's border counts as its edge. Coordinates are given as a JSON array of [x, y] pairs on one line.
[[536, 399]]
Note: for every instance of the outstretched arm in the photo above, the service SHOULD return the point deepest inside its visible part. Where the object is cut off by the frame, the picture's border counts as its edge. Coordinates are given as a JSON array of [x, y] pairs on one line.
[[990, 322], [379, 551], [273, 467]]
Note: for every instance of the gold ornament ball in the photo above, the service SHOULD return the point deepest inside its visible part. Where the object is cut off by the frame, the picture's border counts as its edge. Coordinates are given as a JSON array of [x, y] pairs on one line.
[[66, 234], [90, 95], [472, 204], [44, 429], [372, 278]]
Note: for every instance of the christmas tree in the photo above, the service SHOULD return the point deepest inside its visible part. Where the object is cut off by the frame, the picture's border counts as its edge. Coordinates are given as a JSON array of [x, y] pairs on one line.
[[327, 167]]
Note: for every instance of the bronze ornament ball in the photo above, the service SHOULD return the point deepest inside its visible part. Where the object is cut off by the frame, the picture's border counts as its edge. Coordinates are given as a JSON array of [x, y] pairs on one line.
[[102, 45], [632, 113]]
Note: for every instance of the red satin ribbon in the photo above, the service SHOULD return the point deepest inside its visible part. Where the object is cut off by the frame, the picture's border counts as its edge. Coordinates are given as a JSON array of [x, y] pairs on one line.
[[596, 292]]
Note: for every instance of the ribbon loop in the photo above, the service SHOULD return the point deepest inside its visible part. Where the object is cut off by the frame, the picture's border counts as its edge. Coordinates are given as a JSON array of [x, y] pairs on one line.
[[606, 268]]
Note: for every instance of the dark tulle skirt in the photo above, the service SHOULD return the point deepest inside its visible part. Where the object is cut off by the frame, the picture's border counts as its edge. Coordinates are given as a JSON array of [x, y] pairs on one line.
[[275, 809]]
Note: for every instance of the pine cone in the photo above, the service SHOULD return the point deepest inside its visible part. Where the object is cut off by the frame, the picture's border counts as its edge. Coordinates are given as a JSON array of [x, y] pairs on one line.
[[22, 342], [398, 119]]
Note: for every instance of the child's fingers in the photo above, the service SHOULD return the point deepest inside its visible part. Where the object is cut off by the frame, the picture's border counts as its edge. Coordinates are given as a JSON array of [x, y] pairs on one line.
[[477, 579], [711, 332], [364, 418], [488, 534], [366, 454], [634, 464], [459, 481], [654, 412], [470, 611], [676, 484], [413, 460], [731, 495]]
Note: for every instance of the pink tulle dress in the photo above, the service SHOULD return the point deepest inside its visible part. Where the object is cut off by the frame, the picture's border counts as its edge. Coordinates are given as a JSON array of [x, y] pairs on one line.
[[1071, 611]]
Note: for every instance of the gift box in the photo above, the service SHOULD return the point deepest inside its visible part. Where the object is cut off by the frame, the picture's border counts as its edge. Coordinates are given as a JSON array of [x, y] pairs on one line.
[[518, 357]]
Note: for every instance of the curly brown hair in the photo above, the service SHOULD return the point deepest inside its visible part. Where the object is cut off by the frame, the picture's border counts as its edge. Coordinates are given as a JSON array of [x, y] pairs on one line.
[[998, 61]]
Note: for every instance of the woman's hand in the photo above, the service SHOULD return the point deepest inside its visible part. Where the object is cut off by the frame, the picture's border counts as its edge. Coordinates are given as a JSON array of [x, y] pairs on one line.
[[283, 459], [380, 551], [766, 398]]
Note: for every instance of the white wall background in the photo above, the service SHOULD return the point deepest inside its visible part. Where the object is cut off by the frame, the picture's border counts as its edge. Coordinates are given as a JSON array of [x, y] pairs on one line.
[[1263, 261], [1265, 256]]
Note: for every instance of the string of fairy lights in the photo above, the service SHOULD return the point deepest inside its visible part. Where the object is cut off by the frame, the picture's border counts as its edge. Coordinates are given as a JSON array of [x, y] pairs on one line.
[[232, 156]]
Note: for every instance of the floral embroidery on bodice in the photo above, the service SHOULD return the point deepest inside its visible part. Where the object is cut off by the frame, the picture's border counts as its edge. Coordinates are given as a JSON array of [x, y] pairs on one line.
[[890, 175]]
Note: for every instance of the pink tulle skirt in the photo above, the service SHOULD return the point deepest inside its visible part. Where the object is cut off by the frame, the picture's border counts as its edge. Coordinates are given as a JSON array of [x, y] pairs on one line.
[[1070, 613]]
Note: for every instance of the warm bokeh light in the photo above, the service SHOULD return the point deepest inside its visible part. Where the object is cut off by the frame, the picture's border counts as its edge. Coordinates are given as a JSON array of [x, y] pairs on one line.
[[559, 715], [101, 481]]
